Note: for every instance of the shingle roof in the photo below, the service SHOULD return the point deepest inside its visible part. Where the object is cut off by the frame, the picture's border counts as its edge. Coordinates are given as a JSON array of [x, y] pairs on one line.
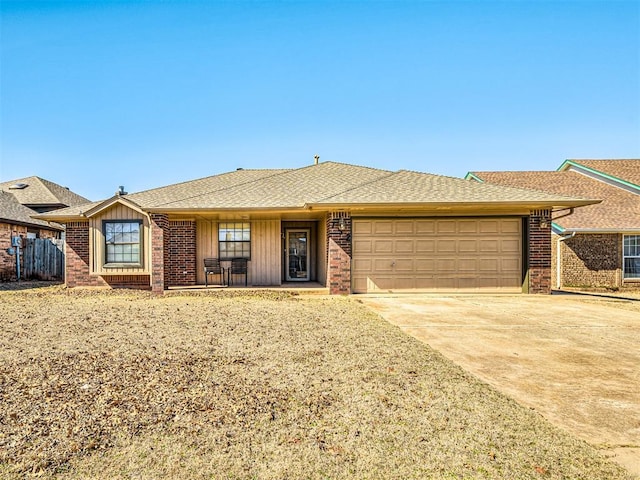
[[12, 211], [624, 169], [39, 191], [327, 183], [619, 209], [414, 187]]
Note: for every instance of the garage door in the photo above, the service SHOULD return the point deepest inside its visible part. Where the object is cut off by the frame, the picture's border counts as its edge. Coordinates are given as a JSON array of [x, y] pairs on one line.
[[449, 254]]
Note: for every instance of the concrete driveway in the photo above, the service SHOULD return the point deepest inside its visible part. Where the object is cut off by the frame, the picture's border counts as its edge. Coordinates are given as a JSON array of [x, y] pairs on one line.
[[575, 359]]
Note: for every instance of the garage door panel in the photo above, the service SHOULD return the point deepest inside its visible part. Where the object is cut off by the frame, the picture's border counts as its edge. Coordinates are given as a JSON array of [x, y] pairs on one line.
[[510, 226], [404, 246], [468, 226], [489, 226], [425, 246], [467, 246], [467, 265], [363, 246], [489, 246], [382, 246], [404, 265], [362, 227], [425, 227], [404, 227], [425, 265], [381, 227], [446, 226], [510, 265], [510, 246], [362, 265], [437, 254], [445, 246]]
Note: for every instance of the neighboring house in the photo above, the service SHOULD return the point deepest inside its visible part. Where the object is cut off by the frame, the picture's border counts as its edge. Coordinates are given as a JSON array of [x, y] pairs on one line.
[[16, 221], [350, 228], [42, 195], [21, 199], [598, 246]]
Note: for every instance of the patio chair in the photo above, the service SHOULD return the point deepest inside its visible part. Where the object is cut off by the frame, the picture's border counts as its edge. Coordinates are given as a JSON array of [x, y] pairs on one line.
[[212, 267], [238, 267]]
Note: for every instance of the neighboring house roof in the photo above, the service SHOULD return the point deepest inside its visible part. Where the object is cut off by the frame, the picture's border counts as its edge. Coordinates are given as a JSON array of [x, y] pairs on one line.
[[624, 171], [38, 192], [619, 210], [323, 185], [13, 212]]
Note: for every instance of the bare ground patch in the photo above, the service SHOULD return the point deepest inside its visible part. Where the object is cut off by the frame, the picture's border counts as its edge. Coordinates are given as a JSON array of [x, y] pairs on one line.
[[116, 384]]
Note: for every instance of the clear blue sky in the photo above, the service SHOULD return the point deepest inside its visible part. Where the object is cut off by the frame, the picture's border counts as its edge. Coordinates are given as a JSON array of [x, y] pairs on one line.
[[144, 94]]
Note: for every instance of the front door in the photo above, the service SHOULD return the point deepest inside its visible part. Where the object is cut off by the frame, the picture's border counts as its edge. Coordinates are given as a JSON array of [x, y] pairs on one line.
[[297, 248]]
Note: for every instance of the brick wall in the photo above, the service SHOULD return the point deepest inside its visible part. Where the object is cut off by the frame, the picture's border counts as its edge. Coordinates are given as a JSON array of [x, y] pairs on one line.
[[180, 262], [77, 257], [592, 260], [339, 253], [540, 251]]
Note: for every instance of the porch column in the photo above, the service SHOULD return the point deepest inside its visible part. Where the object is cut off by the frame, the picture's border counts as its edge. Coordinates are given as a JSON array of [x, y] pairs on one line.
[[159, 239], [540, 251], [339, 252]]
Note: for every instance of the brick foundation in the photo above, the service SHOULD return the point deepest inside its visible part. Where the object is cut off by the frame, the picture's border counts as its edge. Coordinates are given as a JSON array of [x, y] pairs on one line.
[[339, 253], [180, 261], [540, 251]]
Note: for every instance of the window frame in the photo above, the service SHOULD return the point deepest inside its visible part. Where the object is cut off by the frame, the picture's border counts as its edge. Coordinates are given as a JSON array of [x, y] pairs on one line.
[[123, 264], [231, 233], [625, 256]]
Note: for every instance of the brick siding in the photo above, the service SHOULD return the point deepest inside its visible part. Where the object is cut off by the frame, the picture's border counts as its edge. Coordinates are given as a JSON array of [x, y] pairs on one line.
[[540, 252], [77, 257], [339, 253], [180, 261], [159, 251], [592, 260]]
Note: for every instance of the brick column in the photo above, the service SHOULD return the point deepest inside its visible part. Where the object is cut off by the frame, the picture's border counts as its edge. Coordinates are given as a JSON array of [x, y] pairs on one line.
[[339, 253], [159, 240], [540, 251]]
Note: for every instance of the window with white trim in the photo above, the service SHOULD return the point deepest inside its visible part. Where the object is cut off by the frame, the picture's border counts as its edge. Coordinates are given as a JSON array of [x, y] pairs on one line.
[[631, 256], [123, 242], [234, 240]]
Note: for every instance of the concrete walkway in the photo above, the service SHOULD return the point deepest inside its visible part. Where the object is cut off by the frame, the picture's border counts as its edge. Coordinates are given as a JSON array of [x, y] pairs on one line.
[[575, 359]]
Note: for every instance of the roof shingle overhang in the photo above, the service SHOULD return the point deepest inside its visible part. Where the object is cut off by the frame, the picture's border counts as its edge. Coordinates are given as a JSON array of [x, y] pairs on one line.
[[32, 225]]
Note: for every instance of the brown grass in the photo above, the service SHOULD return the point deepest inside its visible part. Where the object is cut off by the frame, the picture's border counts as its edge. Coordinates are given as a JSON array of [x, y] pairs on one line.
[[117, 384]]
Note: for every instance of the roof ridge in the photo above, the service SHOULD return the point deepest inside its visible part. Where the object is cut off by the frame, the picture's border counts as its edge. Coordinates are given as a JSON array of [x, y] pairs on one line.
[[342, 192], [208, 176]]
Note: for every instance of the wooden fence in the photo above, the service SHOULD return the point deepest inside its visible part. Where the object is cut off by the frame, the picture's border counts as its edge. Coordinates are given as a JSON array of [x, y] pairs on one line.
[[42, 259]]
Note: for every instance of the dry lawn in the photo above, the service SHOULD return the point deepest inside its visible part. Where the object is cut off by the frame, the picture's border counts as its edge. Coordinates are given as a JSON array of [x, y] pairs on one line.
[[117, 384]]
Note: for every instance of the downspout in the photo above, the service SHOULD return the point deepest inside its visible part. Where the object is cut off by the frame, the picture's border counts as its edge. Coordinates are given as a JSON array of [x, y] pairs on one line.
[[559, 259]]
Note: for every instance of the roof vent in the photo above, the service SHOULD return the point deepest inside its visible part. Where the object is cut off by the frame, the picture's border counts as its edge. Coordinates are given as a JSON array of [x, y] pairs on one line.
[[239, 168], [316, 159], [121, 191], [18, 186]]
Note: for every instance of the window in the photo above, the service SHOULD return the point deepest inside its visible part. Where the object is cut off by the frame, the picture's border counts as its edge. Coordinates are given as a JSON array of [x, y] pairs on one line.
[[234, 240], [631, 256], [123, 242]]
